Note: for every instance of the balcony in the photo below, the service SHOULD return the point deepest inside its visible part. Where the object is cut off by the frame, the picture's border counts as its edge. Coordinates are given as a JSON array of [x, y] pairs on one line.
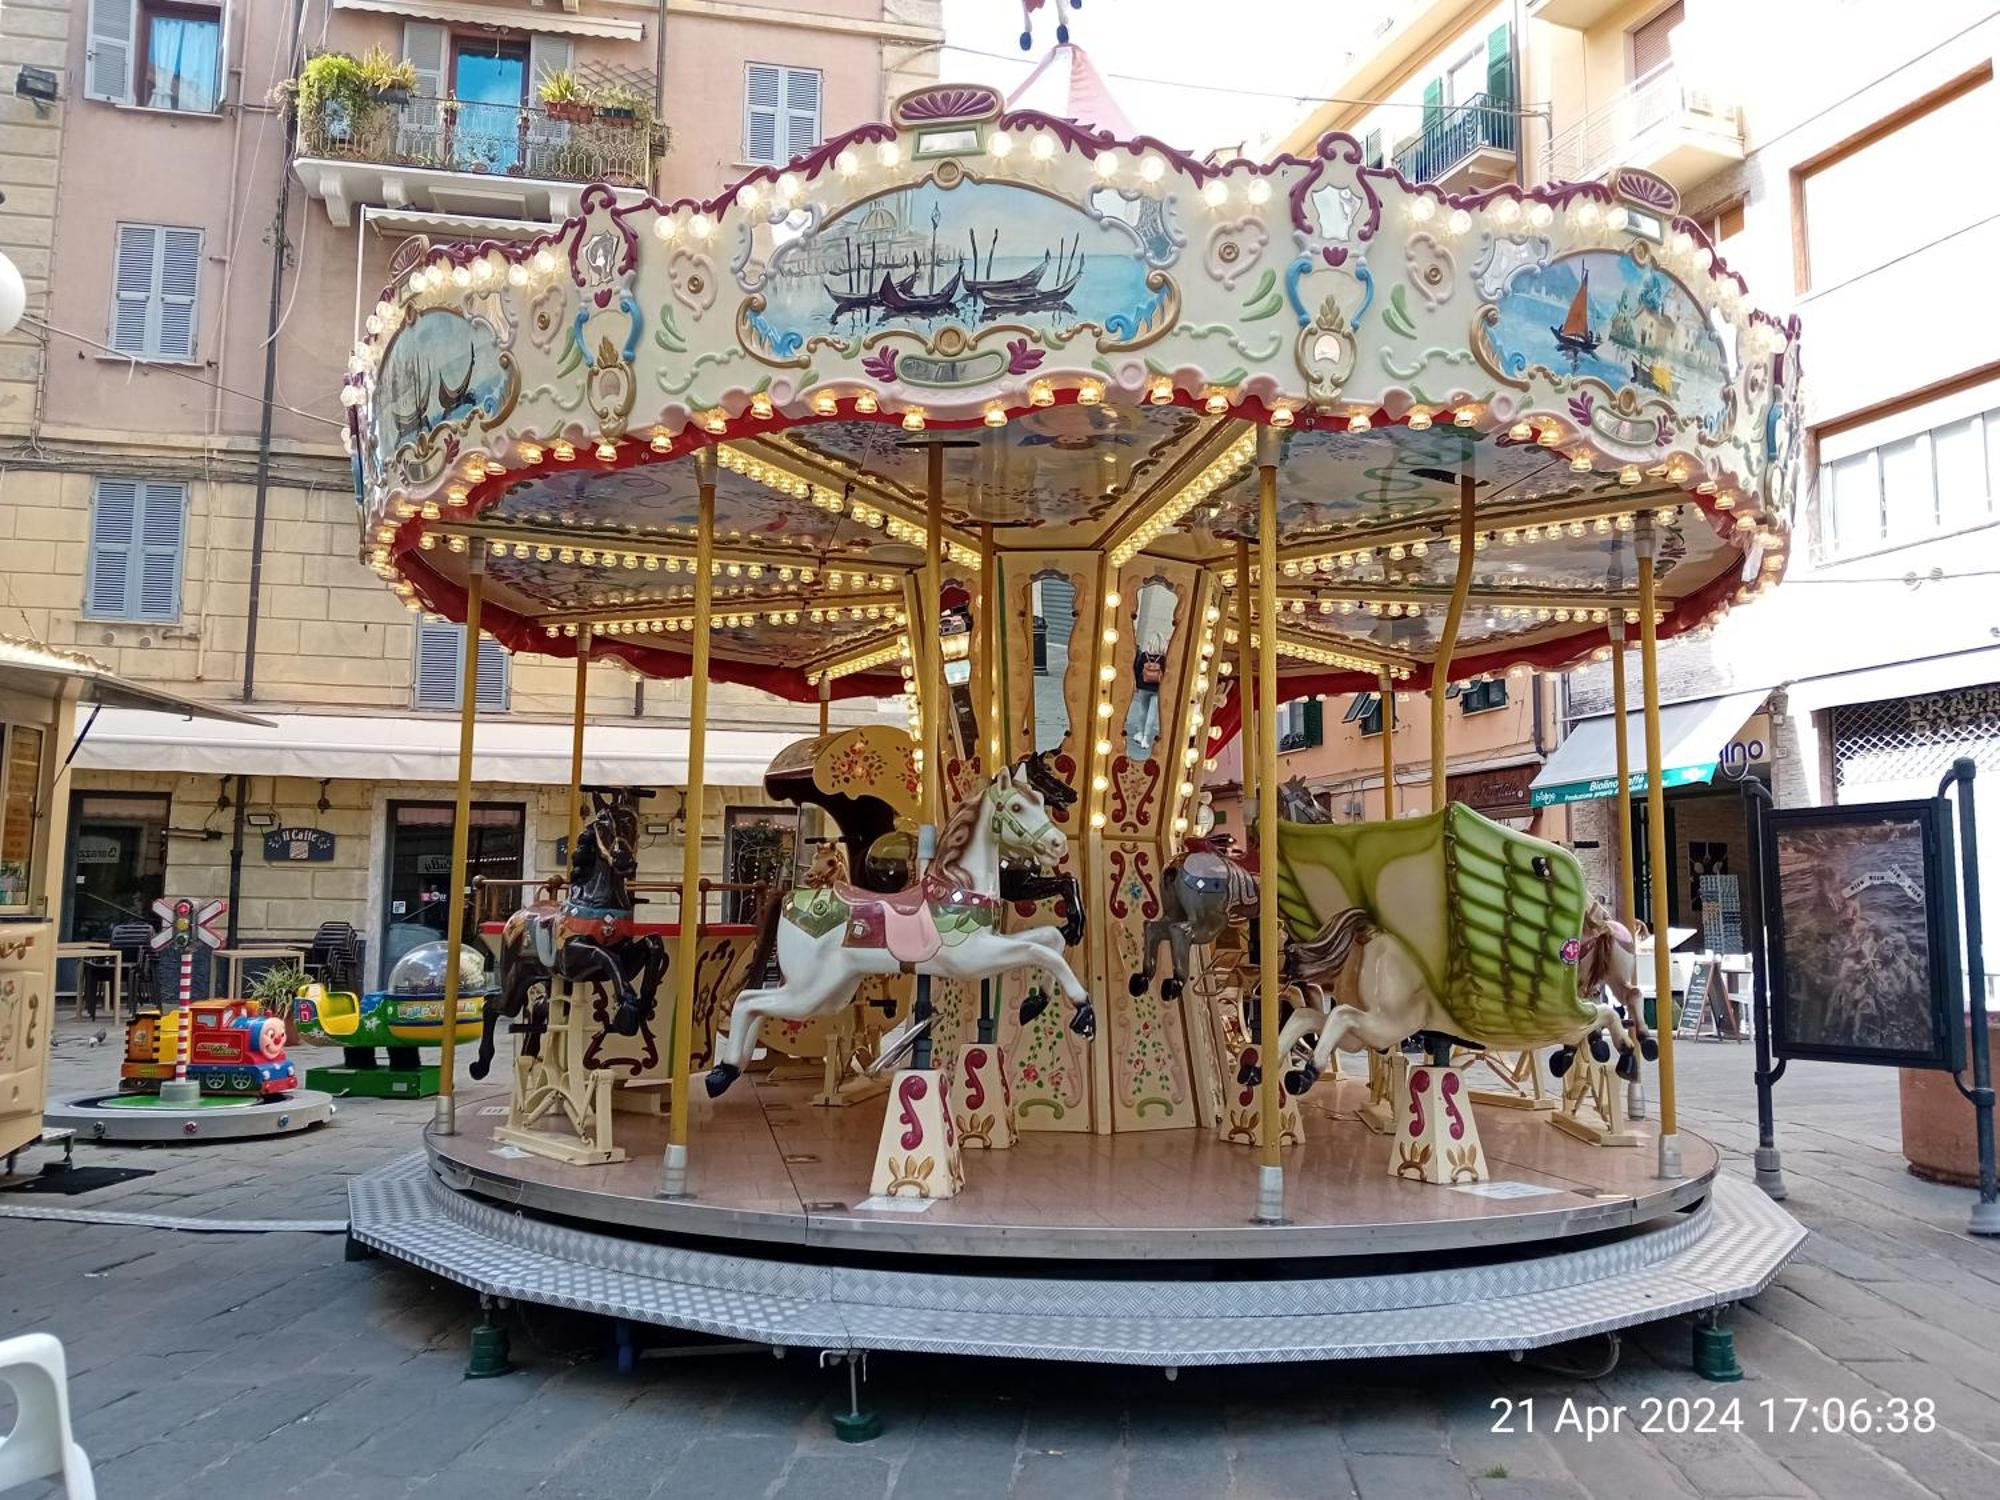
[[1659, 123], [444, 155], [1469, 146]]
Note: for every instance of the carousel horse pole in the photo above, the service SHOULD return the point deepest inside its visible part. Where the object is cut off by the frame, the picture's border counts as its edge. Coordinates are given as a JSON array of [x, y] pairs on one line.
[[1271, 1170], [674, 1181], [1386, 688], [990, 669], [1645, 542], [574, 824], [445, 1120], [930, 705], [1635, 1104]]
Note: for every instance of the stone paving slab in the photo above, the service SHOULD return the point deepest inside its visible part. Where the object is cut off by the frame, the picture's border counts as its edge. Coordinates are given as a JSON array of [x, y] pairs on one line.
[[212, 1366]]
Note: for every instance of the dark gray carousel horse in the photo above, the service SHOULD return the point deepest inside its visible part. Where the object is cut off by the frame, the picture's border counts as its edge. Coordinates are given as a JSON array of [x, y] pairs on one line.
[[1023, 882], [588, 936]]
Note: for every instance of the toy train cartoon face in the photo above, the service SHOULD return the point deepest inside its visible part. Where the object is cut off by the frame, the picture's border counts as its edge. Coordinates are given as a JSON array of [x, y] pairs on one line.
[[234, 1049]]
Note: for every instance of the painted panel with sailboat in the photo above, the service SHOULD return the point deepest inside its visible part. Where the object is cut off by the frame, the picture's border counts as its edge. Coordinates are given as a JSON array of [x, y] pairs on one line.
[[1611, 318], [442, 371], [974, 255]]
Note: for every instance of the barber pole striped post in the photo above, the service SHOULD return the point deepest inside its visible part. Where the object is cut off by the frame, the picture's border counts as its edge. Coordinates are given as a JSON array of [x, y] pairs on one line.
[[183, 924]]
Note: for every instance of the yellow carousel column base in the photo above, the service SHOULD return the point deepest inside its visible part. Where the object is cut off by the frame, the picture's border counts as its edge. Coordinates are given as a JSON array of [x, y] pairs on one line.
[[1593, 1104], [1242, 1122], [982, 1101], [1437, 1138], [1520, 1082], [1388, 1079], [918, 1155]]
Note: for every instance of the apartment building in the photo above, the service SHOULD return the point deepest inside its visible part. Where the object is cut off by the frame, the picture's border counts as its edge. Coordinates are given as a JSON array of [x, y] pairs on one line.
[[1822, 148], [225, 185]]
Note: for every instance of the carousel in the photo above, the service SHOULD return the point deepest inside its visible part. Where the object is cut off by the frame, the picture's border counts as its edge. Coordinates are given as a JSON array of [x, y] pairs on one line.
[[1097, 454]]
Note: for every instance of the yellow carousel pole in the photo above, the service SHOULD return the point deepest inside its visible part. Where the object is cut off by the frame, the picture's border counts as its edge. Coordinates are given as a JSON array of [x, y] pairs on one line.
[[1271, 1173], [1385, 686], [825, 705], [1625, 900], [576, 738], [445, 1112], [1644, 543], [1246, 679], [989, 649], [688, 947], [1448, 641], [930, 708]]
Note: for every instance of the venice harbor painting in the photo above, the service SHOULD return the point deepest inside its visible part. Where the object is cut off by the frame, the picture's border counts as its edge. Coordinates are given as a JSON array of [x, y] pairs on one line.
[[977, 254], [1613, 319]]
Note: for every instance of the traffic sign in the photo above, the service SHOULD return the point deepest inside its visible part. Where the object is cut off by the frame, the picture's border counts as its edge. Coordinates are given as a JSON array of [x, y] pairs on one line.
[[187, 922]]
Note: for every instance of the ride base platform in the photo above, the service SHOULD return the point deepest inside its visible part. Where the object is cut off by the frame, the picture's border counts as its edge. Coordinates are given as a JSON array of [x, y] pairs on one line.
[[1133, 1248], [342, 1081]]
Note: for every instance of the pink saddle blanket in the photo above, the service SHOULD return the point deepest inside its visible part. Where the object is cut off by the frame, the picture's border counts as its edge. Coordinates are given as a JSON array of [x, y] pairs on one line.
[[910, 933]]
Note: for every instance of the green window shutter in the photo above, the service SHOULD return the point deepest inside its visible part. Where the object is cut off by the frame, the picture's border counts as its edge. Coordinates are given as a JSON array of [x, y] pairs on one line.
[[1499, 69], [1315, 722], [1433, 104]]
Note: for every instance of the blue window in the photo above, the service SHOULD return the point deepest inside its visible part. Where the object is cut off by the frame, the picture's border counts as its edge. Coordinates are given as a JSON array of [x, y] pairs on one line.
[[137, 531], [441, 663]]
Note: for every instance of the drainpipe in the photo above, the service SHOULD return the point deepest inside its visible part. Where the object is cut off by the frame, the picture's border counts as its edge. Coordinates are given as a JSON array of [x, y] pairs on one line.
[[279, 246]]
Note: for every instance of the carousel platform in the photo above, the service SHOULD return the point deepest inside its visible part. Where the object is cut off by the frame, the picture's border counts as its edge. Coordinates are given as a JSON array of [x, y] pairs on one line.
[[1126, 1249]]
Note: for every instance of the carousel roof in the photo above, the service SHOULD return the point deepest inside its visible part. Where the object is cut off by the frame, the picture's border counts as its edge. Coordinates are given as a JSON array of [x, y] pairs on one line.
[[1087, 334]]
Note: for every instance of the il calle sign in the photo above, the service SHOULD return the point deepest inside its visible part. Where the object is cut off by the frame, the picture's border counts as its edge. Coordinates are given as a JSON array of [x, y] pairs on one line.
[[314, 845]]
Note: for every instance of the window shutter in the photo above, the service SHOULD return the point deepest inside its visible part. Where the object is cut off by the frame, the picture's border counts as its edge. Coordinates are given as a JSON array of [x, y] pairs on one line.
[[492, 673], [107, 64], [546, 55], [132, 287], [113, 523], [1315, 722], [1433, 104], [1371, 149], [437, 664], [157, 591], [426, 48], [1652, 43], [180, 289], [1499, 69], [763, 93], [801, 111]]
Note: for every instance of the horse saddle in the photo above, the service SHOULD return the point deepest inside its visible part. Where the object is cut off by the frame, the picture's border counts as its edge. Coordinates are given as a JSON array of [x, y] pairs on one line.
[[1204, 871], [900, 921]]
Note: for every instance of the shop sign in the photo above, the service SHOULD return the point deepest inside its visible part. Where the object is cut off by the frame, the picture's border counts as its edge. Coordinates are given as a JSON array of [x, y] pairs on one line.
[[96, 849], [312, 845], [1938, 715], [1748, 749], [1505, 789]]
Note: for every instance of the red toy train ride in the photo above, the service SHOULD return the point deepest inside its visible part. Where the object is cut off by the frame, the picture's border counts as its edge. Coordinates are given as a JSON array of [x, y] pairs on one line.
[[234, 1050]]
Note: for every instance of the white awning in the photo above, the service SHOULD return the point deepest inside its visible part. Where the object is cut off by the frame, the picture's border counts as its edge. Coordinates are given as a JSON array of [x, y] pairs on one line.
[[353, 747], [24, 663], [502, 17], [1692, 734]]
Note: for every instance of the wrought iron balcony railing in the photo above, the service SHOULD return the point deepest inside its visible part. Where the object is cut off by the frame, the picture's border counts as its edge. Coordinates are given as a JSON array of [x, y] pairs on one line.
[[1455, 135], [452, 135], [1607, 135]]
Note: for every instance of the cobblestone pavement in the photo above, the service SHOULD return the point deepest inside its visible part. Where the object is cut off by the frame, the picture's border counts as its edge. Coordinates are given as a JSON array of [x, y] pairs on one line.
[[234, 1365]]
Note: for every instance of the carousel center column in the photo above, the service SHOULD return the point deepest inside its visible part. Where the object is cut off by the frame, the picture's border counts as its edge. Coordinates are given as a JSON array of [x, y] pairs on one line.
[[688, 948], [445, 1117]]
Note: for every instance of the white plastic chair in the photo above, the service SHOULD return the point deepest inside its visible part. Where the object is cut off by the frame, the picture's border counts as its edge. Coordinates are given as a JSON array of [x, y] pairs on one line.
[[40, 1445]]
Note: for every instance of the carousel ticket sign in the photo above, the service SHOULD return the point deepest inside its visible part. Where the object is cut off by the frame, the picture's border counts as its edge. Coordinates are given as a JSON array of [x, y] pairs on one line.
[[290, 845], [1863, 935]]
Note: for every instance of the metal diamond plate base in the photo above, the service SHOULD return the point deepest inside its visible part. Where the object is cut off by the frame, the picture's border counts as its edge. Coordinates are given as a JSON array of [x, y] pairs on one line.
[[1722, 1251]]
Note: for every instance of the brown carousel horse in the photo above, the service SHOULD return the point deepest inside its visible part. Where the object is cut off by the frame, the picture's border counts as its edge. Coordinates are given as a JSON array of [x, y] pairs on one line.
[[588, 936]]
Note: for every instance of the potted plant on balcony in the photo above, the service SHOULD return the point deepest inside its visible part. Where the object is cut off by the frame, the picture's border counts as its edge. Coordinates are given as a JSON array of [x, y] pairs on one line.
[[622, 105], [389, 79], [563, 98], [333, 102]]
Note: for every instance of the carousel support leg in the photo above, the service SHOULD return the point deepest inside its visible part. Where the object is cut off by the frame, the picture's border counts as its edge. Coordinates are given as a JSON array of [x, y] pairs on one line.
[[1715, 1346], [1645, 542], [487, 1356], [1386, 687], [445, 1117], [674, 1181], [853, 1425], [1271, 1171], [1635, 1095]]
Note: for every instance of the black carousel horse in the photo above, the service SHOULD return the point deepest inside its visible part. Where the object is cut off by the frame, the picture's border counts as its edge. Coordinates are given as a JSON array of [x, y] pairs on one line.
[[588, 936], [1028, 882]]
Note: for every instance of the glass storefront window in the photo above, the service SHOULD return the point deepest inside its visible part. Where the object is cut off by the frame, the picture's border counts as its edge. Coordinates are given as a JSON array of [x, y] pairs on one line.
[[19, 779]]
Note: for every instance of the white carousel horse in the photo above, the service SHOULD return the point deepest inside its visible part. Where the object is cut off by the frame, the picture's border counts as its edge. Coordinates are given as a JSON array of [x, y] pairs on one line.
[[948, 924], [1357, 987], [1608, 959]]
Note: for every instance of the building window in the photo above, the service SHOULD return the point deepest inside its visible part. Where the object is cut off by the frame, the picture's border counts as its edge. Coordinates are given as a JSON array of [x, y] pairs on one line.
[[1478, 697], [20, 783], [1653, 41], [156, 291], [780, 112], [163, 54], [1301, 724], [1909, 488], [1365, 709], [1915, 157], [137, 527], [441, 661]]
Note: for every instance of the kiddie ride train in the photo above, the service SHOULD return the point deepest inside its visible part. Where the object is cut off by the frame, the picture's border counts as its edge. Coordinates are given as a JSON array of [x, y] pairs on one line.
[[234, 1051], [1182, 443]]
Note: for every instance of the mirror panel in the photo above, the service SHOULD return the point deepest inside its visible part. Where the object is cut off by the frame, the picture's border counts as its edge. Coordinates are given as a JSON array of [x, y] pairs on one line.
[[1153, 613], [1052, 603]]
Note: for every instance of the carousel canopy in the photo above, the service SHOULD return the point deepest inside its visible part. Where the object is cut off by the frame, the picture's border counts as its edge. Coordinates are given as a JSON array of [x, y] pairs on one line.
[[1086, 336]]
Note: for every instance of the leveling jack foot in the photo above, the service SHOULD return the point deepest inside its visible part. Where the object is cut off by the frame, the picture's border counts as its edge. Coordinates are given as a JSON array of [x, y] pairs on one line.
[[488, 1354], [853, 1425], [357, 1251], [1715, 1351]]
